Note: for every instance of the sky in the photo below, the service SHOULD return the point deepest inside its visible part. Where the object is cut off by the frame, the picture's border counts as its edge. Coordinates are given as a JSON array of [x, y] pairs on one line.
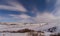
[[29, 11]]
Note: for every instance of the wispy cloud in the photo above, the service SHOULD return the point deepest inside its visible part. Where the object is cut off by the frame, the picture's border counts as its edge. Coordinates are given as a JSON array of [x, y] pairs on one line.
[[45, 17], [1, 18], [39, 17], [15, 6], [23, 16]]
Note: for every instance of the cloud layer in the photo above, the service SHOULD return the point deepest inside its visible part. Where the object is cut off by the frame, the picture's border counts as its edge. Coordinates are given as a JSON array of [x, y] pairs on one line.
[[15, 6], [42, 15]]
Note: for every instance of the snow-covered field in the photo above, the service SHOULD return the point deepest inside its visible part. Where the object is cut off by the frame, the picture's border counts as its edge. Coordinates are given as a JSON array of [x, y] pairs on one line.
[[20, 34], [13, 34], [36, 27], [18, 27]]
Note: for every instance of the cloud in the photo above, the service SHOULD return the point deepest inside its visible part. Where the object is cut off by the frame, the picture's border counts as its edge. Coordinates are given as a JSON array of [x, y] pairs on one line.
[[50, 17], [58, 2], [53, 19], [23, 16], [45, 17], [7, 19], [1, 18], [15, 6]]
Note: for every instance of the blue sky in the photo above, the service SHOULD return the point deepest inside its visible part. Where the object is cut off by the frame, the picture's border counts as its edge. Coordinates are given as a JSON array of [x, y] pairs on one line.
[[28, 10]]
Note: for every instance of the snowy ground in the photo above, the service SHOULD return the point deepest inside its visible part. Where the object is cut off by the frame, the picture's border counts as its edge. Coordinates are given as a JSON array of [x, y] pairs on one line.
[[20, 34], [13, 34], [33, 26]]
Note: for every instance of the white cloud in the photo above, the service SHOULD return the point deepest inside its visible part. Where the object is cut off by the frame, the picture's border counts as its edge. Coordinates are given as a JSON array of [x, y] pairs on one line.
[[23, 16], [1, 18], [18, 6], [45, 17], [57, 2], [50, 17], [15, 6]]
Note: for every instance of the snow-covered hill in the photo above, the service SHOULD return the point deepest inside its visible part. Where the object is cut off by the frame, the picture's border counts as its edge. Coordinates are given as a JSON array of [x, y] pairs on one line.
[[37, 27]]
